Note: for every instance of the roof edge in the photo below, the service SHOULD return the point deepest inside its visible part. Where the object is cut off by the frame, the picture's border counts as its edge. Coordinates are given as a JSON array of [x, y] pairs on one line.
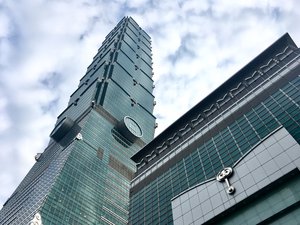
[[284, 40]]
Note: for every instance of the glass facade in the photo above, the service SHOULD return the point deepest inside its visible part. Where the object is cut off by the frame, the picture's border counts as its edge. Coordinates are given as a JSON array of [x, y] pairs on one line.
[[83, 176], [219, 144], [266, 184], [285, 194]]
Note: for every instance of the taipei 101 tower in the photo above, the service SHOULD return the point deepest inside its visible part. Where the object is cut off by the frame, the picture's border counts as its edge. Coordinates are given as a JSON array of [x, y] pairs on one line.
[[83, 176]]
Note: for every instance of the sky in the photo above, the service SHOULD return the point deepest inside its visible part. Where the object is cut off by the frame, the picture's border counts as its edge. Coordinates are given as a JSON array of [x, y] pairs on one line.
[[46, 46]]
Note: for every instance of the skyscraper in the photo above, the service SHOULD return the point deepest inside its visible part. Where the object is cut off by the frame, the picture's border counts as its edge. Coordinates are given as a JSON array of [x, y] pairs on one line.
[[83, 175], [234, 158]]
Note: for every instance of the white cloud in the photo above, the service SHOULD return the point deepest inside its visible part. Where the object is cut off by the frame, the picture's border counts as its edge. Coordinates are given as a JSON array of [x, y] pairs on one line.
[[45, 47], [5, 122]]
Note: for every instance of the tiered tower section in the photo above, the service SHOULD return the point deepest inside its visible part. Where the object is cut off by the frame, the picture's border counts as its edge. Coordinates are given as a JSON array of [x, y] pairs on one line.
[[84, 174]]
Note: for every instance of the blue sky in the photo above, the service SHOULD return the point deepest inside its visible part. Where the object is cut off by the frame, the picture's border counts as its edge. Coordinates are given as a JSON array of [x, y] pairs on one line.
[[46, 46]]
